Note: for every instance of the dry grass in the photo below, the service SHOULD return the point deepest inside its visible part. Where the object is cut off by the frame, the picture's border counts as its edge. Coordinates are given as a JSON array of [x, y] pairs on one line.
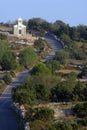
[[79, 44], [3, 28], [77, 62], [67, 71]]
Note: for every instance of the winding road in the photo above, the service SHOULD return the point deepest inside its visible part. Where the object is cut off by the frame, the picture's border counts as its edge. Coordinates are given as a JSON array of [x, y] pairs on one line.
[[8, 119], [54, 43]]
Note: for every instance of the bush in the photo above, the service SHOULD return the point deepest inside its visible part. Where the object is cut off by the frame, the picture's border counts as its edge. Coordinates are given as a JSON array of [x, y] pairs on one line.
[[40, 125], [3, 37], [8, 78], [81, 110], [61, 126], [24, 94], [42, 113], [62, 56], [39, 44], [40, 68], [27, 57], [83, 122], [2, 82], [12, 73]]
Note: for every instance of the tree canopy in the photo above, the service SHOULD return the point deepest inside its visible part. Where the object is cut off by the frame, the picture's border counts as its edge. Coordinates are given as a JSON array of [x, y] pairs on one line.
[[4, 48], [39, 44], [53, 65], [40, 68], [27, 57], [24, 94], [81, 110], [62, 56], [3, 36], [8, 61], [84, 70]]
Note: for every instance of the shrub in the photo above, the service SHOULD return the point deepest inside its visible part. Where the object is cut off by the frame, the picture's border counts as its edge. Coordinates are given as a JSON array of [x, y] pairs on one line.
[[8, 78]]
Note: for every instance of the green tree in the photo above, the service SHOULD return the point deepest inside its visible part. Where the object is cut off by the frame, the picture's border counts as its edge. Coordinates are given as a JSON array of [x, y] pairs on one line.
[[47, 26], [61, 126], [48, 81], [40, 25], [62, 92], [79, 92], [34, 24], [82, 32], [44, 114], [62, 56], [39, 44], [66, 39], [60, 28], [27, 57], [84, 70], [3, 48], [40, 68], [76, 52], [7, 78], [25, 94], [8, 61], [42, 92], [81, 110], [84, 121], [66, 126], [3, 37], [75, 125], [53, 65]]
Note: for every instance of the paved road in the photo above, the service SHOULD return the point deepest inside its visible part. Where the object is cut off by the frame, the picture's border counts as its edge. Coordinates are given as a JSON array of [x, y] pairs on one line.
[[20, 78], [8, 119], [54, 43]]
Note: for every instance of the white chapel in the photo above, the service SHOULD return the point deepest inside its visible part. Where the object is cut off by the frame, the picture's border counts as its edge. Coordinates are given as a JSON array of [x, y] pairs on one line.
[[19, 29]]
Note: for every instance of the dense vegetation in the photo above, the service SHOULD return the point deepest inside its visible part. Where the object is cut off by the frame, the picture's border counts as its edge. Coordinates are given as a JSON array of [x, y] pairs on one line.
[[7, 57], [67, 126], [27, 57], [44, 86], [37, 88], [42, 113], [59, 28], [40, 45], [69, 35], [84, 70], [81, 110], [53, 65], [40, 68], [3, 37]]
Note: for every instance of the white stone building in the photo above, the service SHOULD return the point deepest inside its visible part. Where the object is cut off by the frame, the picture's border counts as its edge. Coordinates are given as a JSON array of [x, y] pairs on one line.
[[19, 29]]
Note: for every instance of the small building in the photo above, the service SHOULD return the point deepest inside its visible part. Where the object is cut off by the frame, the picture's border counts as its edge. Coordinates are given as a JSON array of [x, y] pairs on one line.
[[19, 29]]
